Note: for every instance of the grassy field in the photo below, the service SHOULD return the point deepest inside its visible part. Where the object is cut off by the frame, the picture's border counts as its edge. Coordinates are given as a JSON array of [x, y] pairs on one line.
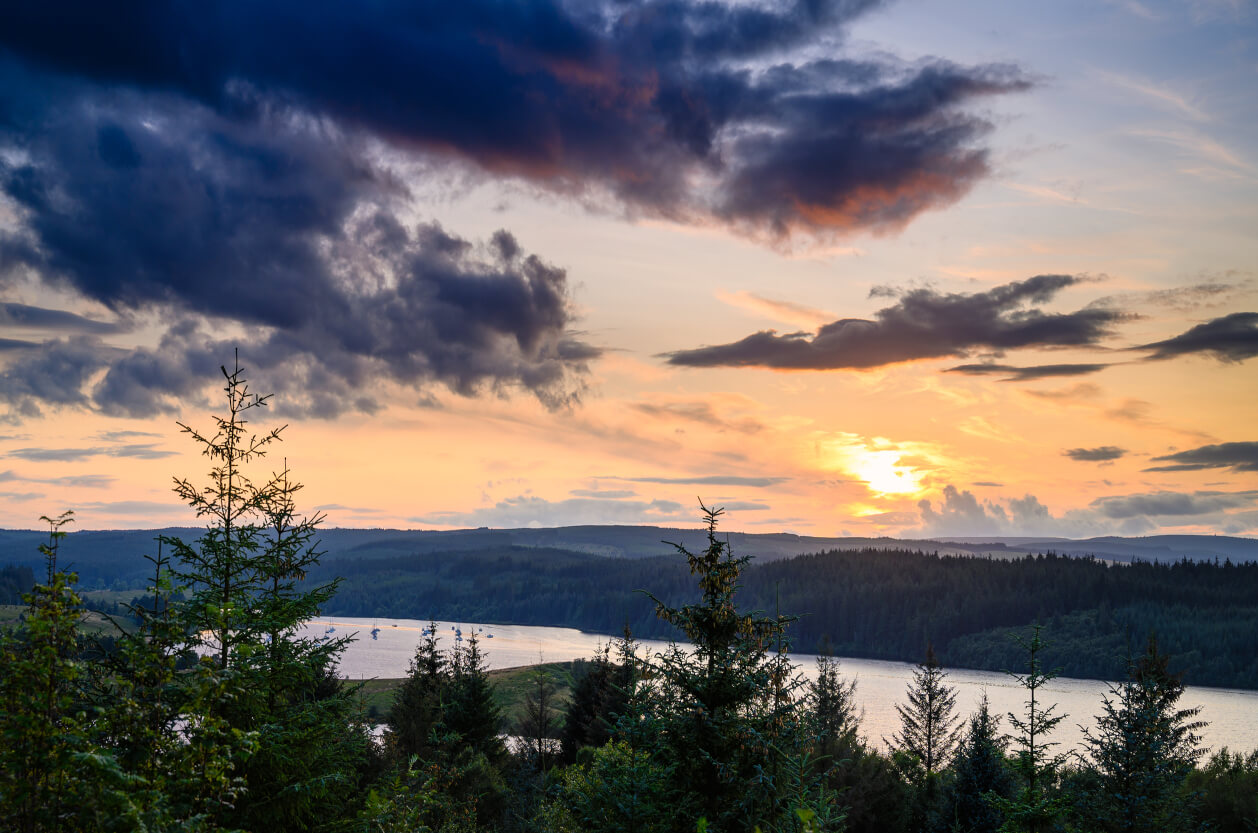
[[511, 686], [92, 623]]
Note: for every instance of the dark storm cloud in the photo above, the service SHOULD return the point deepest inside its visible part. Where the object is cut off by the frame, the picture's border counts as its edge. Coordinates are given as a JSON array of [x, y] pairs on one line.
[[40, 318], [689, 110], [1171, 503], [1231, 338], [52, 373], [286, 231], [1242, 456], [1026, 374], [225, 167], [466, 318], [1102, 454], [923, 324]]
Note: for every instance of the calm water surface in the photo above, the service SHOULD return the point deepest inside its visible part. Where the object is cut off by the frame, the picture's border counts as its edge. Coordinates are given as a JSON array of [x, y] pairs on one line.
[[1232, 715]]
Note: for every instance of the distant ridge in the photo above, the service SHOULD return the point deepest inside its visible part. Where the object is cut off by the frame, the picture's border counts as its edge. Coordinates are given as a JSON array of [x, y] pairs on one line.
[[118, 554]]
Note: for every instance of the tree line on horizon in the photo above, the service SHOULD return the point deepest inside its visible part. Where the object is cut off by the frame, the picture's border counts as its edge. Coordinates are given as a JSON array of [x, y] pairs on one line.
[[214, 714]]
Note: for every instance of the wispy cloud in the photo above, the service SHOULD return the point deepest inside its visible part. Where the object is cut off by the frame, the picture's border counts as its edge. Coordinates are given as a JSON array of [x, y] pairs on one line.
[[532, 511], [1159, 94], [1219, 158], [142, 451], [79, 481], [1011, 373], [700, 411], [1138, 9], [705, 480], [1101, 454], [797, 315]]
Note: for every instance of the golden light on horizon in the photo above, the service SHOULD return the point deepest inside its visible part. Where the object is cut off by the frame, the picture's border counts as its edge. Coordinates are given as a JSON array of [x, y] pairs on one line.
[[882, 474], [880, 469]]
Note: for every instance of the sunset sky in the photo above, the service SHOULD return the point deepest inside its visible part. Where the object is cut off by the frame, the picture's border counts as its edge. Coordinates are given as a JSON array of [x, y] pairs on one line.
[[843, 267]]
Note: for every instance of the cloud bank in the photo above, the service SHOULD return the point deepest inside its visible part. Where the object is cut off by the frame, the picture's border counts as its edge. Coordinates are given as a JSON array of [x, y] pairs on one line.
[[686, 110], [1240, 456], [237, 168], [960, 513], [1231, 338], [925, 324]]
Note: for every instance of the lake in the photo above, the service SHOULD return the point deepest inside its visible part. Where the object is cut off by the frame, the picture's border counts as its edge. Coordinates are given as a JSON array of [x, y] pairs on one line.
[[1232, 715]]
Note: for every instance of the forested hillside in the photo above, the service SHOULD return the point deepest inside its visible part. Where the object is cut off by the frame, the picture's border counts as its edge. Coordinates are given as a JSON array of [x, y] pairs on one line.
[[870, 603]]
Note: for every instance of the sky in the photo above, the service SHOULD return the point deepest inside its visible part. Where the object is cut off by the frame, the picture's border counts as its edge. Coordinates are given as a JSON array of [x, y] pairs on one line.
[[843, 267]]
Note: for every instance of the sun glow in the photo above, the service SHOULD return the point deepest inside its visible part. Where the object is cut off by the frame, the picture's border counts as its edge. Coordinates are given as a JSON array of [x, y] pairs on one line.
[[882, 474], [880, 469]]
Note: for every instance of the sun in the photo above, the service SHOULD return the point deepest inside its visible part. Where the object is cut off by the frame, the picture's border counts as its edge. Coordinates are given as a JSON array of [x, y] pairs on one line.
[[880, 469], [883, 474]]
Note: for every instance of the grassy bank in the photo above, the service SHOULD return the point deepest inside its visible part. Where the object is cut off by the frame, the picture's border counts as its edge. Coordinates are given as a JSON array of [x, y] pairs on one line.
[[511, 687]]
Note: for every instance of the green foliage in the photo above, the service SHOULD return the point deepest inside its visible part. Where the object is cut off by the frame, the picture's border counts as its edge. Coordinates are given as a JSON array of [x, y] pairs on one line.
[[727, 707], [598, 699], [471, 711], [832, 709], [1036, 807], [616, 789], [246, 604], [416, 718], [226, 569], [438, 795], [866, 786], [42, 728], [980, 776], [90, 741], [1143, 747], [445, 722], [159, 712], [928, 726], [874, 796], [539, 721], [1225, 792]]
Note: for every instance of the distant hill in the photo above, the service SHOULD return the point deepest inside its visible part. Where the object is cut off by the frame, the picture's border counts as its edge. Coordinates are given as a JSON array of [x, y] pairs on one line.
[[1157, 548], [110, 556]]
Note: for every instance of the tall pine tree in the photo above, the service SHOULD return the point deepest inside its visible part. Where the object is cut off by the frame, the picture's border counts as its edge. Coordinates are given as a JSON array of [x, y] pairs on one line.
[[1143, 747], [729, 711], [1035, 807], [416, 719], [979, 777], [245, 611], [928, 725]]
